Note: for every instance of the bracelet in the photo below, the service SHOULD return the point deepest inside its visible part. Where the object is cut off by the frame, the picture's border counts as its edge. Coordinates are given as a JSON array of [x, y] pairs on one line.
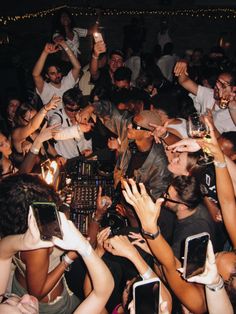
[[219, 164], [34, 150], [45, 109], [94, 219], [216, 287], [165, 136], [147, 274], [67, 260], [94, 57]]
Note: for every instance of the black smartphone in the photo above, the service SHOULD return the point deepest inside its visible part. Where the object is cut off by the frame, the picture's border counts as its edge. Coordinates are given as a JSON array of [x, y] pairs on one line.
[[48, 220], [146, 295], [195, 252]]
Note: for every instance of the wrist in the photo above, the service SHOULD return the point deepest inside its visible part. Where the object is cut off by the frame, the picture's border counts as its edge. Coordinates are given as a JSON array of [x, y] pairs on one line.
[[217, 286], [34, 150], [165, 135], [45, 109], [94, 56], [84, 249], [97, 217]]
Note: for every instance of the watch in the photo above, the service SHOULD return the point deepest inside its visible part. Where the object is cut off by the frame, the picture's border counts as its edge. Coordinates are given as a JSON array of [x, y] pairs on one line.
[[149, 235]]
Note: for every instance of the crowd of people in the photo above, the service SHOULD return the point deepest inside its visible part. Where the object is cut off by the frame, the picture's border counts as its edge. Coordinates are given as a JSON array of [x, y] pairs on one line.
[[133, 111]]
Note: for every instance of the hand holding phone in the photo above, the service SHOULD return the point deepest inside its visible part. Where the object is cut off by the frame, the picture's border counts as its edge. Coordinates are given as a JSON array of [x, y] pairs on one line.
[[97, 37], [195, 253], [48, 220], [146, 296]]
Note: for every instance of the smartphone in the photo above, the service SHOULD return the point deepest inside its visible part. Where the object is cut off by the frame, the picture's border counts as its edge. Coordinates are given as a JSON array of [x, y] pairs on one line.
[[48, 220], [97, 37], [146, 296], [195, 252]]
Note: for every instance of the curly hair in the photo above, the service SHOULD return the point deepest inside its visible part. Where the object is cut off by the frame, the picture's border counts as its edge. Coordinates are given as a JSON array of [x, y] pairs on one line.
[[16, 194]]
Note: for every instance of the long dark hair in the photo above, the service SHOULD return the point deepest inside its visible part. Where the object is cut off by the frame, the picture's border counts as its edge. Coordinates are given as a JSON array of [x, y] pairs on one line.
[[57, 26]]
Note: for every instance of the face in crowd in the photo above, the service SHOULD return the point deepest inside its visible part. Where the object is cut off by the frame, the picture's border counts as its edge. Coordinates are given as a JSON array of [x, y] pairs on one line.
[[115, 62], [54, 75], [5, 146], [224, 80]]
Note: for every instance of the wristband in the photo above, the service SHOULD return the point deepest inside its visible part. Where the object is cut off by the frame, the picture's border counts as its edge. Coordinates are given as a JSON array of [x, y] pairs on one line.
[[67, 260], [34, 151], [94, 57], [147, 274], [219, 164], [216, 287]]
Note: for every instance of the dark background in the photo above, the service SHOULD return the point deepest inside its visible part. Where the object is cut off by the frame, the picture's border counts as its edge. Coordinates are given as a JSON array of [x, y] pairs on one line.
[[27, 36]]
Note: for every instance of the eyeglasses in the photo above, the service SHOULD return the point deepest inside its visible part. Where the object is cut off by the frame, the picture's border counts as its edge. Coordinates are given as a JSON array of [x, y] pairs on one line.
[[166, 197], [138, 127]]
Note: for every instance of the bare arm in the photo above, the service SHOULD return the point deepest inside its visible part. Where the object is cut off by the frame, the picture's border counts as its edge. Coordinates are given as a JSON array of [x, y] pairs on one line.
[[74, 61], [21, 133], [180, 70], [148, 213], [38, 68], [99, 48], [10, 245], [121, 246], [100, 275], [224, 186]]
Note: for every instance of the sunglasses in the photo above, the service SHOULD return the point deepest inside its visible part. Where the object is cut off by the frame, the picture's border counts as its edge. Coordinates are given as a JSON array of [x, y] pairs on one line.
[[138, 127], [166, 197]]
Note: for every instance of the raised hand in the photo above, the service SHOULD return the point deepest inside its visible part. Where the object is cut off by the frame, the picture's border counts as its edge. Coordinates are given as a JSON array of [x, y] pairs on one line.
[[185, 145], [140, 241], [99, 47], [212, 144], [181, 67], [53, 103], [102, 236], [72, 238], [159, 131], [147, 211], [46, 133], [120, 246], [210, 276], [30, 240], [51, 48]]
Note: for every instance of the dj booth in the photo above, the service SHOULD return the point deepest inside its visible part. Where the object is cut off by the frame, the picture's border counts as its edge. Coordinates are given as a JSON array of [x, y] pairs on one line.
[[81, 178]]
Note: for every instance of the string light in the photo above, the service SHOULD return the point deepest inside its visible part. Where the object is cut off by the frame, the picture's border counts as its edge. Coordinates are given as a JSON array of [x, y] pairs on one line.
[[213, 13]]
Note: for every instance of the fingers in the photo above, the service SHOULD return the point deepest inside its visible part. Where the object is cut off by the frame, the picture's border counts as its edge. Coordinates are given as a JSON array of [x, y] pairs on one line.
[[210, 253]]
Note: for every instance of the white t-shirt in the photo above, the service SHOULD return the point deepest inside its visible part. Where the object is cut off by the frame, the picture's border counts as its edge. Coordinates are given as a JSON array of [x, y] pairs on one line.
[[74, 43], [49, 90], [205, 100], [69, 148]]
